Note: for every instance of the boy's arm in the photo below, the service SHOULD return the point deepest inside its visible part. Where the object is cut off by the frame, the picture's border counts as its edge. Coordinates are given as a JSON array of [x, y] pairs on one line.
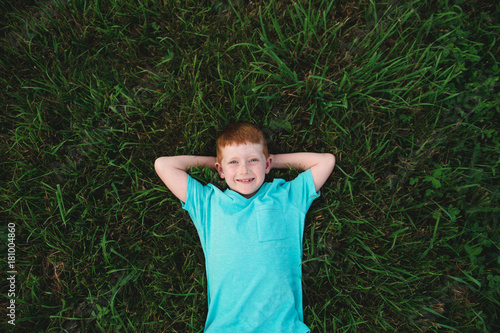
[[173, 171], [321, 165]]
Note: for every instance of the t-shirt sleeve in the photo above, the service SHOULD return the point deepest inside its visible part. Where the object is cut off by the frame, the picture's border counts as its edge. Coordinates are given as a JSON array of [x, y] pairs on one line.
[[197, 201], [302, 191]]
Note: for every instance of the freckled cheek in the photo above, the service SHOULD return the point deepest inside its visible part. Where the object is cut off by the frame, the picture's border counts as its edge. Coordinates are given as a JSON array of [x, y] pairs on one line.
[[258, 169], [231, 172]]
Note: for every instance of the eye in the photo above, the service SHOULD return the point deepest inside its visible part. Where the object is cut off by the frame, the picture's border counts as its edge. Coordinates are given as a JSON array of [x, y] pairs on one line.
[[232, 162], [254, 160]]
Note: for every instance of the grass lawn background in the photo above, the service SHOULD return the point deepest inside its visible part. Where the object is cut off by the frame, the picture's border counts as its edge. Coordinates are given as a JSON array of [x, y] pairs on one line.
[[405, 93]]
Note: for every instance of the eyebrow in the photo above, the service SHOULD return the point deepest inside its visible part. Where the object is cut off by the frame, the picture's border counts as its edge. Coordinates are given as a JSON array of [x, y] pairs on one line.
[[235, 158]]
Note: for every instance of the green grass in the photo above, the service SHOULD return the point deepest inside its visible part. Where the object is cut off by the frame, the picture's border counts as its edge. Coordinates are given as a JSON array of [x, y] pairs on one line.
[[405, 93]]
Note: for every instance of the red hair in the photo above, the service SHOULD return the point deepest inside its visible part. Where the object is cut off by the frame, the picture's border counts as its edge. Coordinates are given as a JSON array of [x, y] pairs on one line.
[[238, 134]]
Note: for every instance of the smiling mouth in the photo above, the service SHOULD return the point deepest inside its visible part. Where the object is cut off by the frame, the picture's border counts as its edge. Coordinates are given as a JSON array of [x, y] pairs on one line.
[[248, 180]]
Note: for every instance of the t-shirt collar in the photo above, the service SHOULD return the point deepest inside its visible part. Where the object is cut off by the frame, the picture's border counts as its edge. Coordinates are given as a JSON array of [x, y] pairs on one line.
[[237, 196]]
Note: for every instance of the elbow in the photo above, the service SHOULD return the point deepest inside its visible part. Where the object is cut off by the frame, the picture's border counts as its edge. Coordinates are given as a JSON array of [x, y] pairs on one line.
[[159, 162], [330, 159]]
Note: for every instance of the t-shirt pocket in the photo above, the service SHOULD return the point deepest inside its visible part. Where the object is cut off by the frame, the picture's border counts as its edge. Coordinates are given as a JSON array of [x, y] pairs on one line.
[[271, 224]]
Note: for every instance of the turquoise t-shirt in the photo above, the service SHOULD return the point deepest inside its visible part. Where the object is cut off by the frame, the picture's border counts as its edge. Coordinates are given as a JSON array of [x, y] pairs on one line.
[[253, 252]]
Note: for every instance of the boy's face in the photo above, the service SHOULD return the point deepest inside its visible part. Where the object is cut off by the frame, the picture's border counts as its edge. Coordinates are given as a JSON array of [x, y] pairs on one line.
[[244, 167]]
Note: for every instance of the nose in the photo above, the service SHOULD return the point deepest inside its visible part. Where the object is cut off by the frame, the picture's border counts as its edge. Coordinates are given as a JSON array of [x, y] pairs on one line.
[[243, 168]]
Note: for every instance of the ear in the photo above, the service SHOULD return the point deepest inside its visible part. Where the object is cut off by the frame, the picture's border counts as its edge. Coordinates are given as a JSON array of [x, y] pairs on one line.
[[218, 167], [269, 164]]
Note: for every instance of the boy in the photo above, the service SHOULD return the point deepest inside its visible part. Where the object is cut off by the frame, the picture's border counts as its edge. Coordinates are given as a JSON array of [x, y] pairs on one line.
[[251, 233]]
